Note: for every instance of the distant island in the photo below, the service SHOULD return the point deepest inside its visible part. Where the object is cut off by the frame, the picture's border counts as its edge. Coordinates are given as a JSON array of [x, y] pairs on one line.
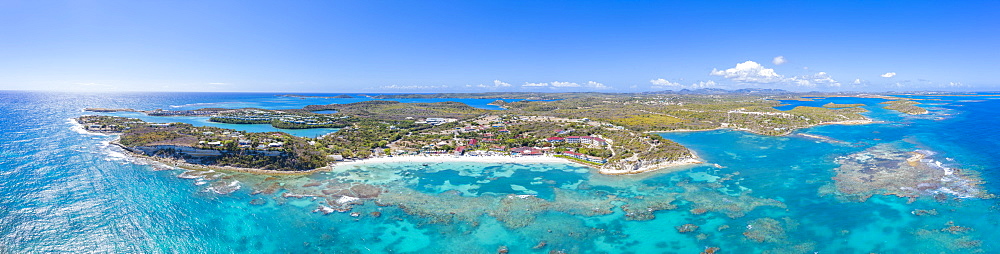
[[342, 96], [613, 133]]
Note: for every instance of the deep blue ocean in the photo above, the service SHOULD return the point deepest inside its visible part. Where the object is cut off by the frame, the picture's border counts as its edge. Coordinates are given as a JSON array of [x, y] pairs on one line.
[[62, 190]]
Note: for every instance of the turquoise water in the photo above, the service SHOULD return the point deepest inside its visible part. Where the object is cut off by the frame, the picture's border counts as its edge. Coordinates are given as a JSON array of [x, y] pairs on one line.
[[64, 191], [819, 102], [265, 101], [203, 121], [270, 101]]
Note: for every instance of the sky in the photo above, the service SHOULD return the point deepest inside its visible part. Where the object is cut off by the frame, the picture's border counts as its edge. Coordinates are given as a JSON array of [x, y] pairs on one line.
[[488, 46]]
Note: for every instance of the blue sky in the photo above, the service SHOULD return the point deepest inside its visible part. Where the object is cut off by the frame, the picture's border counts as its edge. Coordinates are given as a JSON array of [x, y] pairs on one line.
[[472, 46]]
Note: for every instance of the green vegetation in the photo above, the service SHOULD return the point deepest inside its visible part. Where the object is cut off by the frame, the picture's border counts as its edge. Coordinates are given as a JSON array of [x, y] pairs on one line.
[[667, 112], [905, 106], [835, 105], [578, 160], [272, 151], [401, 111], [652, 121], [279, 119], [610, 130]]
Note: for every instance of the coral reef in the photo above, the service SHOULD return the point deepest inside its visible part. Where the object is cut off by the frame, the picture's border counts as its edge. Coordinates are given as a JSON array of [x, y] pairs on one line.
[[733, 206], [765, 230], [686, 228], [643, 207], [886, 170]]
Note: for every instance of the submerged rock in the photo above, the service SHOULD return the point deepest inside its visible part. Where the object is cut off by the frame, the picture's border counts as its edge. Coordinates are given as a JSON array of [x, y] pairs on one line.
[[886, 170], [765, 230], [686, 228]]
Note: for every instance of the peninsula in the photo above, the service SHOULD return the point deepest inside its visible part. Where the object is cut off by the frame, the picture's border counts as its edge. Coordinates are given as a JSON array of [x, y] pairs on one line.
[[613, 133]]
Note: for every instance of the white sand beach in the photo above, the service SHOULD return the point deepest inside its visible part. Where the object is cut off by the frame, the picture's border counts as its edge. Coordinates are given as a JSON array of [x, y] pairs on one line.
[[452, 158], [664, 165]]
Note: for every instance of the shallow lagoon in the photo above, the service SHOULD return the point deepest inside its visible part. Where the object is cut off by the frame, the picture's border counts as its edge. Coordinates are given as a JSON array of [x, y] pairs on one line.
[[203, 121], [268, 101], [766, 194]]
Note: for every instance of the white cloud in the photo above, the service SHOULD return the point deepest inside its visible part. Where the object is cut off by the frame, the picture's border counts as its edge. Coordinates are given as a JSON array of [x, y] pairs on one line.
[[749, 72], [496, 84], [663, 83], [564, 84], [667, 84], [399, 87], [779, 60], [535, 84], [956, 84], [703, 84], [597, 85], [888, 74], [859, 82], [820, 78]]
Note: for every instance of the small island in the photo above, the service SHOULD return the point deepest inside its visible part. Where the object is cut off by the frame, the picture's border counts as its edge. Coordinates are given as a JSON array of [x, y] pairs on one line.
[[905, 106]]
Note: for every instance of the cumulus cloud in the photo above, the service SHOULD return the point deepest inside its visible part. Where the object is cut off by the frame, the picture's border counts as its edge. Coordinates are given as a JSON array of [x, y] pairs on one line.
[[496, 84], [703, 84], [414, 87], [860, 82], [818, 79], [749, 72], [754, 73], [667, 84], [564, 84], [663, 83], [888, 74], [778, 60], [597, 85]]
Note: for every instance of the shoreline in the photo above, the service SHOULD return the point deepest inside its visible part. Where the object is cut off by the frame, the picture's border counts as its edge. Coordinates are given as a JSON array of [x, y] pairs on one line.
[[499, 159], [845, 122], [452, 158], [199, 167], [655, 167]]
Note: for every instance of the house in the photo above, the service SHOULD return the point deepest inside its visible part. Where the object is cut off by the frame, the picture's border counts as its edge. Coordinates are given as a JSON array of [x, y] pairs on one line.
[[593, 140], [473, 142], [586, 140], [526, 151], [585, 157], [439, 121], [555, 139]]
